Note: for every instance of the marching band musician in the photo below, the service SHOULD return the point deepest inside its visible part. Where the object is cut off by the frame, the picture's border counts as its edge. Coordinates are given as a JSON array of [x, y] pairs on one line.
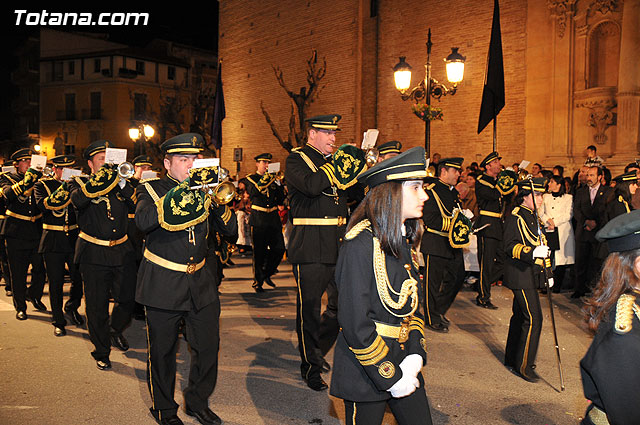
[[524, 275], [490, 205], [318, 205], [444, 263], [620, 196], [4, 262], [381, 346], [57, 245], [175, 281], [103, 251], [610, 369], [389, 150], [266, 193], [22, 229]]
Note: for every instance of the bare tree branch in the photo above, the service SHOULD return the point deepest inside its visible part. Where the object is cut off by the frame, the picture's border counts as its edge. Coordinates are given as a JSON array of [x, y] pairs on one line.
[[274, 130]]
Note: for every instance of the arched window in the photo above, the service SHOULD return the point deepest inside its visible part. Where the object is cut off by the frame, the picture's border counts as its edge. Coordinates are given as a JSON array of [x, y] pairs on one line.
[[604, 54]]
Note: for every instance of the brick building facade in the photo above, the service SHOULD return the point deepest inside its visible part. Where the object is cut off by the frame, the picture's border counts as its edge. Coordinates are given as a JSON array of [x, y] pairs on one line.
[[564, 78]]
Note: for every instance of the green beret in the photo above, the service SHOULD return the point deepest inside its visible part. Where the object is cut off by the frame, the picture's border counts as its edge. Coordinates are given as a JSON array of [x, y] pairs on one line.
[[263, 157], [186, 143], [142, 160], [409, 165], [492, 156], [390, 147], [455, 162], [324, 122], [539, 185], [621, 233], [63, 160], [97, 147], [21, 154]]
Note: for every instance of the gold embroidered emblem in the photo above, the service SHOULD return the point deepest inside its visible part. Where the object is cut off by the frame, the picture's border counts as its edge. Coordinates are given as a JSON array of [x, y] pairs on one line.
[[387, 369], [526, 249], [194, 139], [423, 344], [334, 119]]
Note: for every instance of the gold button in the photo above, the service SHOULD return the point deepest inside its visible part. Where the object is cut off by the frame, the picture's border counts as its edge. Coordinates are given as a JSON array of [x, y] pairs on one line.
[[191, 258], [114, 230]]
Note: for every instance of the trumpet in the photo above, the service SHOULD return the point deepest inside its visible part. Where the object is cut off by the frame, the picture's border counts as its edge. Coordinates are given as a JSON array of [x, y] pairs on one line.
[[222, 192], [126, 170], [48, 172], [371, 156]]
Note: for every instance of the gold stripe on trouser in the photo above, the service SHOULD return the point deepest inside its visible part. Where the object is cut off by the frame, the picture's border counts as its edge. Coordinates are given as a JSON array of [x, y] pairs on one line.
[[46, 226], [426, 288], [526, 346], [304, 349], [153, 401], [354, 413]]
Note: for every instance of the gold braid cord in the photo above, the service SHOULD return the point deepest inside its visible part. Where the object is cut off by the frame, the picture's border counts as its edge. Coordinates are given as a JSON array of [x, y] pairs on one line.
[[409, 286], [624, 313], [355, 230]]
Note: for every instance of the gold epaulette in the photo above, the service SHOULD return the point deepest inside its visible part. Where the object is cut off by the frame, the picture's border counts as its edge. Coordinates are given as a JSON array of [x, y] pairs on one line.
[[624, 313], [515, 211], [355, 230], [149, 180]]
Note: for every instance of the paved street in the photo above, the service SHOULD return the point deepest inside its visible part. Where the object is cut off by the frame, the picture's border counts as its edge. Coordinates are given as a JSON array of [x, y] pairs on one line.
[[49, 380]]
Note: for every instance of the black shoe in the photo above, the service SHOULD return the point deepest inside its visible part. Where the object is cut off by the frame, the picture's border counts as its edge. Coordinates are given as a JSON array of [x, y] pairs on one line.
[[119, 341], [444, 319], [74, 317], [438, 327], [577, 294], [326, 367], [257, 287], [316, 383], [269, 282], [103, 364], [530, 375], [59, 331], [171, 420], [38, 305], [205, 416], [21, 315], [486, 304]]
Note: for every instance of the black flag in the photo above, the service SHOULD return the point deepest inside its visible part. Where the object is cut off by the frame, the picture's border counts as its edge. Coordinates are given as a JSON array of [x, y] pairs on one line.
[[218, 112], [493, 91]]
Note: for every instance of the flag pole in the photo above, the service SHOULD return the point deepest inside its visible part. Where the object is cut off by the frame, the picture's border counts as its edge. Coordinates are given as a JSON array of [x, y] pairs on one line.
[[495, 133]]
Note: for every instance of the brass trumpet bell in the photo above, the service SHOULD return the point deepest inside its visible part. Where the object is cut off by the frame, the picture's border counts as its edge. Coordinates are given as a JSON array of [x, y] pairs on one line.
[[431, 171], [126, 170], [371, 156], [224, 193], [48, 172]]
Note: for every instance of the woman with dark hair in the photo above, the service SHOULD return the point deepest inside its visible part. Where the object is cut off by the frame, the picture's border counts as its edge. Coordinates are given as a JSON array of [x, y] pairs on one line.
[[523, 274], [381, 347], [556, 214], [619, 201], [611, 368]]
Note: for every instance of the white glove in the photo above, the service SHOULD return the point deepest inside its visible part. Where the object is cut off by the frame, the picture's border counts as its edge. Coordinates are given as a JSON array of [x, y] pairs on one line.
[[467, 213], [551, 282], [405, 386], [411, 365], [541, 251], [121, 183]]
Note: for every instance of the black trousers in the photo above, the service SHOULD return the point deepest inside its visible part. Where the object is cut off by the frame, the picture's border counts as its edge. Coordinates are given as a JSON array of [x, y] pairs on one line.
[[524, 330], [202, 332], [587, 265], [268, 249], [101, 283], [490, 258], [54, 264], [443, 278], [4, 265], [19, 259], [410, 410], [316, 333]]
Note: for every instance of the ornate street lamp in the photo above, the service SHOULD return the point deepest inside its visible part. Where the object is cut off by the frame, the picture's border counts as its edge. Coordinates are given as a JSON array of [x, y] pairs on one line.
[[429, 87], [141, 132]]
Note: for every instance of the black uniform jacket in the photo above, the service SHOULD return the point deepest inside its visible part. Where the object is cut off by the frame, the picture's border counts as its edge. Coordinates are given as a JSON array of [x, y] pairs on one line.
[[28, 230], [489, 207], [583, 210], [366, 364], [54, 240], [521, 270], [312, 195], [611, 368], [265, 197], [437, 217], [103, 217], [135, 235], [618, 206], [167, 289]]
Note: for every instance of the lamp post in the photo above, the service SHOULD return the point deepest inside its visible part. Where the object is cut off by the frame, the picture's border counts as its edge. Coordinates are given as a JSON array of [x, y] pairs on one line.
[[429, 87], [141, 132]]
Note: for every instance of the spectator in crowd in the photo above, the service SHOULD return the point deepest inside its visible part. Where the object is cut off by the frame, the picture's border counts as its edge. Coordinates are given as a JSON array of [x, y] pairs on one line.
[[536, 170], [468, 198], [558, 170], [556, 214], [592, 154]]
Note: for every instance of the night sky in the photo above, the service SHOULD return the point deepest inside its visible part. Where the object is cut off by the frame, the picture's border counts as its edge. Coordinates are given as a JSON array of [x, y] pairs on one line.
[[193, 26]]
